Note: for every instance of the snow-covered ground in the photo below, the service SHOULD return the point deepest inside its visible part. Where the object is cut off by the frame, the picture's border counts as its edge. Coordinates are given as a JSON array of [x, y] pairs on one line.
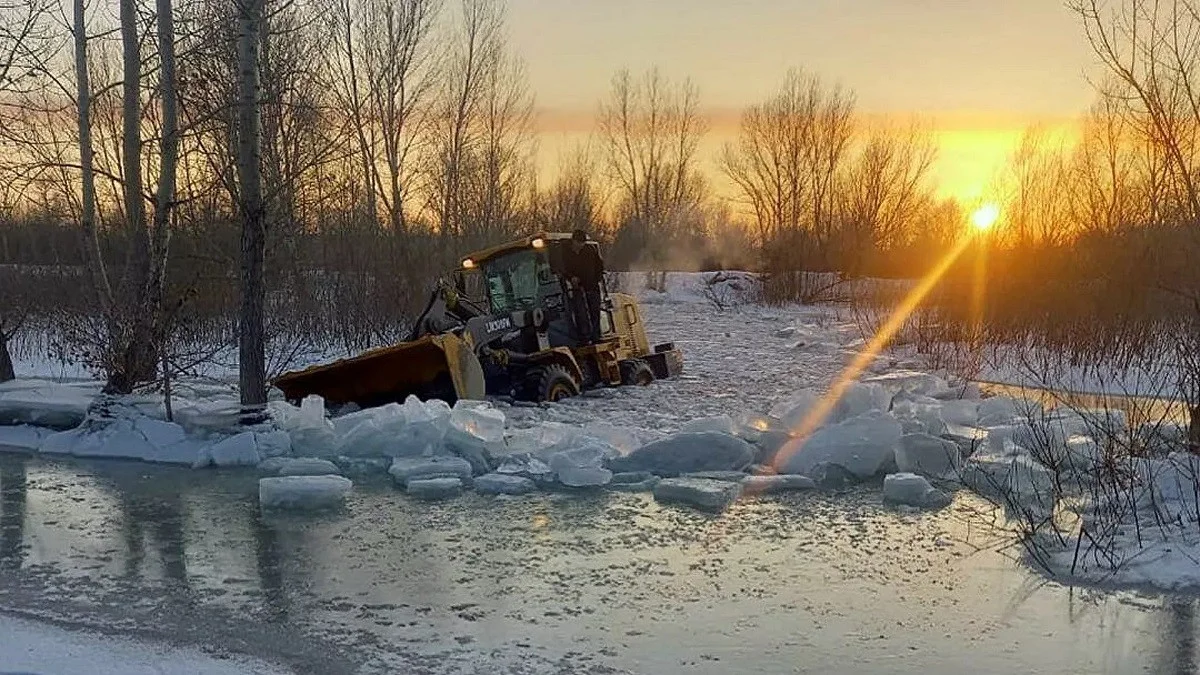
[[749, 369], [35, 648]]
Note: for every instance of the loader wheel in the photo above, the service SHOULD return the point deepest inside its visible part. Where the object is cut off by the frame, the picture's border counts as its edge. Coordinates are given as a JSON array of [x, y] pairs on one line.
[[551, 383], [636, 371]]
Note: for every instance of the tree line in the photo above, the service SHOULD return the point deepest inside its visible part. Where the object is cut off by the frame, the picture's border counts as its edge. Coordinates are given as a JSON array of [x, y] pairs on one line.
[[253, 172]]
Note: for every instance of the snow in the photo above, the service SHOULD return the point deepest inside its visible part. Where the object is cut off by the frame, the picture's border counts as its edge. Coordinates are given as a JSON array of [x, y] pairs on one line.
[[306, 466], [434, 488], [864, 445], [28, 647], [912, 490], [708, 495], [503, 484], [689, 453], [303, 492]]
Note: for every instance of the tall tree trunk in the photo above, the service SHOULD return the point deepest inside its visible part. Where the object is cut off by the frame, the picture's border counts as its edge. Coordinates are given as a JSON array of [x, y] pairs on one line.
[[251, 347], [6, 365], [168, 159], [135, 356], [83, 96]]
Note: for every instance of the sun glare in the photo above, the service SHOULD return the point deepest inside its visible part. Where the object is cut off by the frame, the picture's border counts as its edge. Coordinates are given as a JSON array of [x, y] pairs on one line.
[[985, 217]]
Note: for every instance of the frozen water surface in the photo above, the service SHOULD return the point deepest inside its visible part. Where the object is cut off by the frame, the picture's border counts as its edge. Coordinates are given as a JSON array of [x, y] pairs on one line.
[[549, 583], [598, 581]]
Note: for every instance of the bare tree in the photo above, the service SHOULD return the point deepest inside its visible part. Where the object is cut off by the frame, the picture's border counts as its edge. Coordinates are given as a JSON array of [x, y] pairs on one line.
[[386, 68], [251, 340], [785, 163], [476, 48], [884, 188], [651, 130]]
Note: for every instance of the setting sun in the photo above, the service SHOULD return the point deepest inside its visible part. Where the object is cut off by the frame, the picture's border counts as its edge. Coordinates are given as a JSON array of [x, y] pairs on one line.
[[985, 217]]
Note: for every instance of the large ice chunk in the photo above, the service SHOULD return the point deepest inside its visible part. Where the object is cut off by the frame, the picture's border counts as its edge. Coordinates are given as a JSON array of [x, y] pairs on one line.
[[776, 483], [998, 410], [709, 495], [634, 481], [912, 490], [44, 404], [503, 484], [582, 466], [792, 411], [688, 453], [238, 450], [374, 432], [425, 432], [859, 399], [476, 433], [525, 465], [434, 488], [864, 445], [407, 469], [22, 437], [126, 438], [1017, 479], [928, 455], [312, 435], [621, 440], [963, 412], [303, 492], [275, 443], [913, 381], [307, 466], [721, 424]]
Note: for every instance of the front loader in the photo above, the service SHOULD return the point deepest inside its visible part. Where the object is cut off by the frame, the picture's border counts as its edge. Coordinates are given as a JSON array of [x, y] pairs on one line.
[[507, 323]]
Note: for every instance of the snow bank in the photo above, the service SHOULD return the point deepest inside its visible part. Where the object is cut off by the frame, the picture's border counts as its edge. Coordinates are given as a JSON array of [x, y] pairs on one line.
[[303, 492]]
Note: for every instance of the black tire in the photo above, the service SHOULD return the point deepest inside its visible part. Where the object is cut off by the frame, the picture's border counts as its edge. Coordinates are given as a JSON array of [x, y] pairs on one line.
[[550, 383], [636, 372]]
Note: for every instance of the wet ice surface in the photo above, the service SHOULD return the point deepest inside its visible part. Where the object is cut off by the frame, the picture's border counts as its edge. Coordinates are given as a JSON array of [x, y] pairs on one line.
[[569, 583], [551, 583]]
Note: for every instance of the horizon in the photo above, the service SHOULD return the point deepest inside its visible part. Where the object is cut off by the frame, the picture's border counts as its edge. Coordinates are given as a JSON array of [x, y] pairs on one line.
[[954, 68]]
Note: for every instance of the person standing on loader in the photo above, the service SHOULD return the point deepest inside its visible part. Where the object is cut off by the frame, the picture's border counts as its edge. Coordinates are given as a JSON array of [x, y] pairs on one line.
[[585, 269]]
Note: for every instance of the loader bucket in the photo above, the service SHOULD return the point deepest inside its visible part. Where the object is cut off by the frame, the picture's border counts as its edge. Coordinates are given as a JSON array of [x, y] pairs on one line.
[[436, 366]]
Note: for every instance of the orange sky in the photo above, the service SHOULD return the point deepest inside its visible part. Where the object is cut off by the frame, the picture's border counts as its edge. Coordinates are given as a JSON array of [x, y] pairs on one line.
[[979, 72]]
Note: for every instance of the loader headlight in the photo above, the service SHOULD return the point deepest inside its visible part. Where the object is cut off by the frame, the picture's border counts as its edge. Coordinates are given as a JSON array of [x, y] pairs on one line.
[[538, 243], [468, 264]]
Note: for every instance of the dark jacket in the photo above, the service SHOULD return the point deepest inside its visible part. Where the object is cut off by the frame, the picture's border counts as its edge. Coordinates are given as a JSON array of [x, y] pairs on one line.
[[586, 264]]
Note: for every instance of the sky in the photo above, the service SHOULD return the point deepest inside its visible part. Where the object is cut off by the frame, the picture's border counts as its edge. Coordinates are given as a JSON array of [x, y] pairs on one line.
[[978, 71]]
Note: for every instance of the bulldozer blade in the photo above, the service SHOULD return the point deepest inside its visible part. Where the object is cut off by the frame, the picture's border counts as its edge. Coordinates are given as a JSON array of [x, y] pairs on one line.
[[436, 366]]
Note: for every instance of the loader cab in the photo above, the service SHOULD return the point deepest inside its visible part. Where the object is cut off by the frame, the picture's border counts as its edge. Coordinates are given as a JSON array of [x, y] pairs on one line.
[[527, 277]]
